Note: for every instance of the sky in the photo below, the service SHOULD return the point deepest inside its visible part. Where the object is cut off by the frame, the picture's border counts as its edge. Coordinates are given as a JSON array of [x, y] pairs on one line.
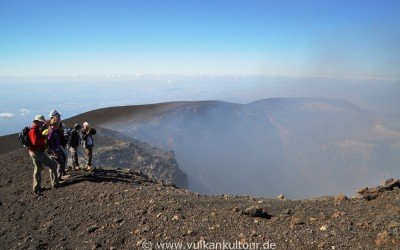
[[306, 38], [77, 56]]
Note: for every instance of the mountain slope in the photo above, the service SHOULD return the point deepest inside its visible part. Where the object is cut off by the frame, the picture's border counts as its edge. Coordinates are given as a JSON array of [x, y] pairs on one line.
[[126, 210]]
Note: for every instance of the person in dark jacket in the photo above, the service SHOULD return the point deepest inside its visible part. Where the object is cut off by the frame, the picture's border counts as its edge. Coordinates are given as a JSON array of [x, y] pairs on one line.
[[54, 148], [55, 118], [87, 143], [63, 142], [37, 152], [73, 143]]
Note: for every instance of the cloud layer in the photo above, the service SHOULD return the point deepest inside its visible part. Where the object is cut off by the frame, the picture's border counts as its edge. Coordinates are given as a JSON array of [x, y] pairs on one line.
[[7, 115]]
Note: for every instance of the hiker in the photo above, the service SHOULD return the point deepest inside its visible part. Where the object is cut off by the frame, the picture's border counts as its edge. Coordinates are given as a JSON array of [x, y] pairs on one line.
[[87, 143], [63, 142], [39, 157], [73, 143], [55, 118], [54, 148]]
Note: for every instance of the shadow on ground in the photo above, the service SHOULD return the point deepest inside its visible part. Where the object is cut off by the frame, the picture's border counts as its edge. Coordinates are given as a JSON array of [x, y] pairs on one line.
[[102, 175]]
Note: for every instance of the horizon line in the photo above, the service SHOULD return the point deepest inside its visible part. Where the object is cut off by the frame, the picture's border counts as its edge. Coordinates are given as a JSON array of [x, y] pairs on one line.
[[132, 76]]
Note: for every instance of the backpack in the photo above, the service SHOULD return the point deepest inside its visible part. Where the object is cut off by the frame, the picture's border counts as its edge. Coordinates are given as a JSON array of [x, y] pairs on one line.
[[23, 137], [92, 131], [74, 139], [67, 134]]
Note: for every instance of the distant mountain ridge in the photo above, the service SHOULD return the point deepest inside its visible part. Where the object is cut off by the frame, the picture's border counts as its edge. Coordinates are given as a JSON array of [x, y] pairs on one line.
[[320, 145]]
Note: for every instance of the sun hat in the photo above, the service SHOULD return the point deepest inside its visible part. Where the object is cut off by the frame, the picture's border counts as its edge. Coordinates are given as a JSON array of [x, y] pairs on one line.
[[54, 113], [40, 118]]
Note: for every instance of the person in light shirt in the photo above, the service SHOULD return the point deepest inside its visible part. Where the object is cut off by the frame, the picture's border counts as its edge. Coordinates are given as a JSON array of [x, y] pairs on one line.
[[87, 143]]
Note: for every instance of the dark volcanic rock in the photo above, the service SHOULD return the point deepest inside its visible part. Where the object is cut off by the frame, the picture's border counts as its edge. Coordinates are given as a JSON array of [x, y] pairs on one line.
[[115, 150], [373, 193], [257, 212]]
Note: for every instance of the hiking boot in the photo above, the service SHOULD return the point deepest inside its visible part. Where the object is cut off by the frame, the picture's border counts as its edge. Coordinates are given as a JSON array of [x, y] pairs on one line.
[[38, 192], [56, 185]]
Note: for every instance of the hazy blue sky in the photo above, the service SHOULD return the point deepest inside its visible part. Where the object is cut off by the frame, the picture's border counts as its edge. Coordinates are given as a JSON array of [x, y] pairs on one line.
[[81, 55], [334, 38]]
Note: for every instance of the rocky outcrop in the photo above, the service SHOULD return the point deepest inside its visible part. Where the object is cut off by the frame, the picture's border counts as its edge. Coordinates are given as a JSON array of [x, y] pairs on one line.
[[373, 193], [114, 150], [153, 162]]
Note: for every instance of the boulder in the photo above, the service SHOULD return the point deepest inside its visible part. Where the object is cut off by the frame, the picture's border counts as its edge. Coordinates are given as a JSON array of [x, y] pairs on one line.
[[254, 211]]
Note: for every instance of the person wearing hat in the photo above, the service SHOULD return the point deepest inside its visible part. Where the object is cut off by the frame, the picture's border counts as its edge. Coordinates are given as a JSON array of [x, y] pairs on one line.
[[37, 152], [57, 126], [73, 144], [54, 148], [87, 139]]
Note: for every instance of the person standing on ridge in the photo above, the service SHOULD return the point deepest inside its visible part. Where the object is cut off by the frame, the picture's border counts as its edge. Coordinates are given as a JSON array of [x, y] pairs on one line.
[[87, 143], [73, 143], [63, 143], [59, 153], [54, 148], [37, 152]]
